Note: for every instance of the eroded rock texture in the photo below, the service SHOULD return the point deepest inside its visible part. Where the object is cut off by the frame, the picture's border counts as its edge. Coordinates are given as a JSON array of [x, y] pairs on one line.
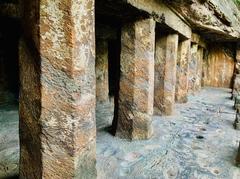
[[105, 104], [57, 95], [193, 65], [219, 18], [102, 88], [218, 67], [136, 80], [184, 55], [165, 73], [236, 77]]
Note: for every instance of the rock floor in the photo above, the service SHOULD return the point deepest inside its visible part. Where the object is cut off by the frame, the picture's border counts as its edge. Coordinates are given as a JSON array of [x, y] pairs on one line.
[[198, 142]]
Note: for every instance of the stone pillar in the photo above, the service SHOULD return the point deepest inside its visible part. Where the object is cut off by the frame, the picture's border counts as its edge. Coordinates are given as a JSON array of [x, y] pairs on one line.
[[102, 89], [105, 105], [136, 80], [184, 55], [193, 68], [237, 160], [165, 74], [57, 93], [199, 71], [236, 123], [236, 82]]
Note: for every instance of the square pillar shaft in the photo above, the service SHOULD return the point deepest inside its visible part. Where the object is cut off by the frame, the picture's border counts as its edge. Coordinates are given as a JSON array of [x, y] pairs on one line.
[[165, 74], [193, 68], [137, 80], [236, 81], [57, 93], [199, 69], [102, 86], [184, 55]]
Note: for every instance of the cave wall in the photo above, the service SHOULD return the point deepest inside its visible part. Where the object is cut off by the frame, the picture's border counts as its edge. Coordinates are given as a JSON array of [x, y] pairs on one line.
[[218, 66]]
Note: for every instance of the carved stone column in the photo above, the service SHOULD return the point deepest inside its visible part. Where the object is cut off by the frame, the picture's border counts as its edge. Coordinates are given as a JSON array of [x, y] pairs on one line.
[[165, 74], [184, 55], [136, 80], [57, 92]]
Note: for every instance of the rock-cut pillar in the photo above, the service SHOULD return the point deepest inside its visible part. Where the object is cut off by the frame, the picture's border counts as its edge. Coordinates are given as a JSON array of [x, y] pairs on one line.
[[236, 81], [193, 65], [137, 80], [184, 55], [57, 90], [102, 89], [165, 74], [198, 85]]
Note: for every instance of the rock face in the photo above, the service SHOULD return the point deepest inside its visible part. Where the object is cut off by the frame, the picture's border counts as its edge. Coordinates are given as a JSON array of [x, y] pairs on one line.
[[218, 67], [184, 55], [102, 86], [136, 80], [57, 93], [218, 17], [165, 74], [236, 80], [104, 104], [193, 68], [150, 54]]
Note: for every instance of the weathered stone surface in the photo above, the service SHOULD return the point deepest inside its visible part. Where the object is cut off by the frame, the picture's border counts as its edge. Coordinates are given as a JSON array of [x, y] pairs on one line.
[[193, 65], [236, 85], [237, 121], [57, 108], [237, 160], [184, 55], [163, 14], [136, 80], [219, 17], [105, 104], [102, 88], [236, 76], [29, 114], [218, 67], [165, 73], [238, 53], [199, 69], [237, 103]]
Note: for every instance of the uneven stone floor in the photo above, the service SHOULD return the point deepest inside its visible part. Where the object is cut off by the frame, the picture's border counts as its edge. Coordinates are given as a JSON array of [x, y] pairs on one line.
[[198, 142], [9, 140]]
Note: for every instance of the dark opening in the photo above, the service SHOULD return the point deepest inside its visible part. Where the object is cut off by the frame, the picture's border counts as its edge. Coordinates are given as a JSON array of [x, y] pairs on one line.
[[9, 70]]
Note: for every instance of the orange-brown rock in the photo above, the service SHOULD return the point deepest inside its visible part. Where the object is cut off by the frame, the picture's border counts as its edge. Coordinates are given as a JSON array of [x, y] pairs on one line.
[[136, 80], [57, 93], [165, 74], [193, 68], [184, 55], [198, 83], [102, 88], [218, 68]]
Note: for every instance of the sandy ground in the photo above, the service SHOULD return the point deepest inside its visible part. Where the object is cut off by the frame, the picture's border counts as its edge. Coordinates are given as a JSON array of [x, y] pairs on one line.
[[197, 142]]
